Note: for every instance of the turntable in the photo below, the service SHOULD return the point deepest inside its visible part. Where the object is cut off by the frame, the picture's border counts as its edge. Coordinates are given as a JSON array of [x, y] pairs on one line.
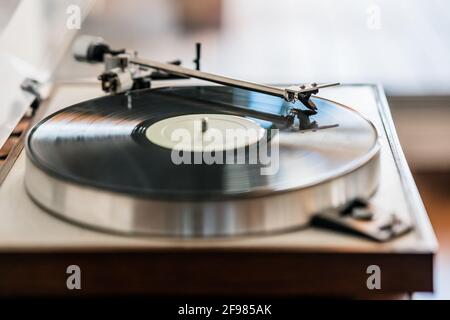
[[209, 184], [204, 160]]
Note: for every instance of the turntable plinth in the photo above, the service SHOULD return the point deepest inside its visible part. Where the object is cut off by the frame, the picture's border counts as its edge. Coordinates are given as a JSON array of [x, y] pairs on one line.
[[36, 248]]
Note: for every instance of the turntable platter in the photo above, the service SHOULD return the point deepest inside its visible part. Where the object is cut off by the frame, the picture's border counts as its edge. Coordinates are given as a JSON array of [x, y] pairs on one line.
[[108, 150]]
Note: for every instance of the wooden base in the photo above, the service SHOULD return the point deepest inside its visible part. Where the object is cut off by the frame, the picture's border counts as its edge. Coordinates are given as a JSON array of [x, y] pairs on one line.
[[213, 273]]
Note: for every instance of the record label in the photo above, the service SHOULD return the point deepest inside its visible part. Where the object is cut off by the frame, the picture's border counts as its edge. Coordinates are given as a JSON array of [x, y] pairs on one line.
[[205, 132]]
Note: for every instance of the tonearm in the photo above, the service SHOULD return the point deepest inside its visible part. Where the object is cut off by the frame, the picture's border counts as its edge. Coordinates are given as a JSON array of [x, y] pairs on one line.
[[125, 71]]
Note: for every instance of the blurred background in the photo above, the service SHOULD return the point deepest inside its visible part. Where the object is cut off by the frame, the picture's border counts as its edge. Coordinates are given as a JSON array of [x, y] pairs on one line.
[[403, 44]]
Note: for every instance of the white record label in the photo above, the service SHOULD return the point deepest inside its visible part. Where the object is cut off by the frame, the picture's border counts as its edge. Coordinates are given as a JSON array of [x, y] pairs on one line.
[[205, 132]]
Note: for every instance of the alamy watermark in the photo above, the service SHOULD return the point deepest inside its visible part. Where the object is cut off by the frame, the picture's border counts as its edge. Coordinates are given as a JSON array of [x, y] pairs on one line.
[[374, 280], [73, 281], [229, 146], [74, 17], [373, 21]]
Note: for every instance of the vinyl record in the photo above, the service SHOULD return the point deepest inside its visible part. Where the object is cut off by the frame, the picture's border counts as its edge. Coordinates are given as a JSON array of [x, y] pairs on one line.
[[102, 143]]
